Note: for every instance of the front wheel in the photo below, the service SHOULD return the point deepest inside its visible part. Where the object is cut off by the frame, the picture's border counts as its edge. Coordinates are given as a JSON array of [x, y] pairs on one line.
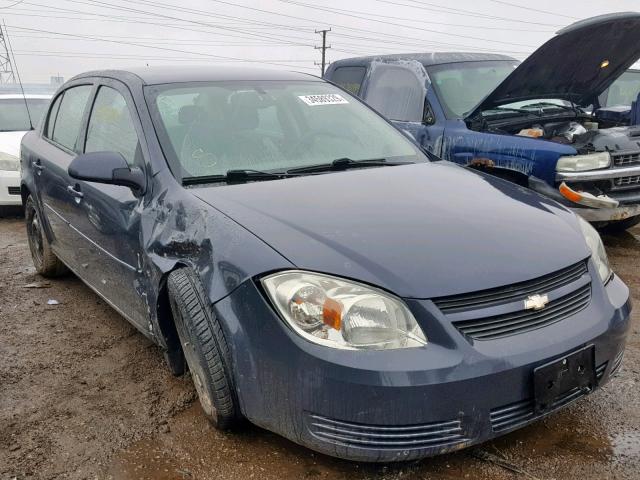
[[45, 261], [204, 347]]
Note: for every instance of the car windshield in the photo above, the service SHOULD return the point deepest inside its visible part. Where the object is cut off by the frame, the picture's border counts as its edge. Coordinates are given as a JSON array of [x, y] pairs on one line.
[[462, 86], [13, 113], [624, 90], [207, 129]]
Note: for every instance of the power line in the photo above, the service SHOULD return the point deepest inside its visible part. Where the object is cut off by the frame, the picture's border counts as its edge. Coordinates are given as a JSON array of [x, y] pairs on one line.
[[154, 47], [315, 7], [14, 4], [456, 11], [530, 9]]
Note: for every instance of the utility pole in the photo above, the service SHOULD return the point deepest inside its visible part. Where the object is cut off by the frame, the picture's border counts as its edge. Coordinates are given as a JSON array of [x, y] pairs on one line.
[[324, 49], [6, 67]]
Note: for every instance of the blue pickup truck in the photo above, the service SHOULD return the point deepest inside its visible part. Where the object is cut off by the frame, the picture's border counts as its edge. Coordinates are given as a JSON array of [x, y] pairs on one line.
[[535, 123]]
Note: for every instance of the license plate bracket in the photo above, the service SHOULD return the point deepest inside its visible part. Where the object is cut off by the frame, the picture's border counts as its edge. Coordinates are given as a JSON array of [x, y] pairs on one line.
[[560, 377]]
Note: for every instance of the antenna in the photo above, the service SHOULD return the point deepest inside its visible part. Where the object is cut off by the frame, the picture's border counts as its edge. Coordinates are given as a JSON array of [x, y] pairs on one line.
[[4, 36]]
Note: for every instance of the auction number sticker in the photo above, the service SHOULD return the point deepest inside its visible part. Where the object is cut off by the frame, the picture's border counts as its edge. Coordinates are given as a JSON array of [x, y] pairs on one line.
[[324, 99]]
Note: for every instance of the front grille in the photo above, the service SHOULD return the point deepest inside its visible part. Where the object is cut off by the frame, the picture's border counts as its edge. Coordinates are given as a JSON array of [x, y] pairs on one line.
[[627, 182], [520, 413], [13, 190], [625, 159], [498, 326], [348, 434], [517, 291]]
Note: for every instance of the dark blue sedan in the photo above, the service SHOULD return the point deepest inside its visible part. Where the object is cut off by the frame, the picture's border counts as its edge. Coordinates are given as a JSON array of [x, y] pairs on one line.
[[312, 268]]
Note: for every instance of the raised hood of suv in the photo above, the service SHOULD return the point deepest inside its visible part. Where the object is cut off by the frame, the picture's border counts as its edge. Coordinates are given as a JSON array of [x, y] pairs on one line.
[[420, 231], [577, 65]]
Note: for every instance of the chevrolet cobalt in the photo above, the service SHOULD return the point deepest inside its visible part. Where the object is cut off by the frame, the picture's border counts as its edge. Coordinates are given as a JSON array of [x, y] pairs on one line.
[[313, 269]]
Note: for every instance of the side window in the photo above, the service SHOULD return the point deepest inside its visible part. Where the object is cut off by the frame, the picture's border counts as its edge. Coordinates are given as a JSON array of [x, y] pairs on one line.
[[396, 92], [111, 128], [69, 119], [349, 78], [53, 113]]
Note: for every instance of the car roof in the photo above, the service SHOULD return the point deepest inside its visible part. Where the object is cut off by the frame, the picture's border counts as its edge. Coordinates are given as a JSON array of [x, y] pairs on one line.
[[182, 74], [427, 59]]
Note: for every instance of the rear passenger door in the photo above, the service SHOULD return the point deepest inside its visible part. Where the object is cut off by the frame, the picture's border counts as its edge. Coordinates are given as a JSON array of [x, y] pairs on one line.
[[59, 147], [108, 216]]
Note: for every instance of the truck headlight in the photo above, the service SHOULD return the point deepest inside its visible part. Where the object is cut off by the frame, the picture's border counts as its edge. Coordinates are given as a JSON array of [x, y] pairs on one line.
[[580, 163], [598, 253], [9, 162], [341, 313]]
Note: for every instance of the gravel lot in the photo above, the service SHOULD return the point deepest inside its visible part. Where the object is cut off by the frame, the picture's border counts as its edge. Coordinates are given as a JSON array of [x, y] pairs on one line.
[[83, 395]]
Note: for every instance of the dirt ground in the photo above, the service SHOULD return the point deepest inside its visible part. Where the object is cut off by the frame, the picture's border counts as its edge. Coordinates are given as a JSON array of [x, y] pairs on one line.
[[83, 395]]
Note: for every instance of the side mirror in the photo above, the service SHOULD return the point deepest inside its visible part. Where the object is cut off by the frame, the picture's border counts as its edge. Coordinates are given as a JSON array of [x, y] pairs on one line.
[[107, 167]]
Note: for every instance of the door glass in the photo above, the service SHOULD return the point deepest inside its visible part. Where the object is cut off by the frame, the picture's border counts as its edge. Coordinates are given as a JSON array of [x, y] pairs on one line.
[[69, 119], [111, 128], [397, 92], [349, 78]]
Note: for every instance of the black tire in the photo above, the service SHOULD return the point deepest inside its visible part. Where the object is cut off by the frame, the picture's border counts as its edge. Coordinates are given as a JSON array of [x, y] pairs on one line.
[[621, 225], [205, 348], [45, 261]]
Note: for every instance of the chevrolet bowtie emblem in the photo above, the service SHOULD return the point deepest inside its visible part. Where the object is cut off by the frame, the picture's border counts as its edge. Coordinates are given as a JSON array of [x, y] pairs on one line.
[[535, 302]]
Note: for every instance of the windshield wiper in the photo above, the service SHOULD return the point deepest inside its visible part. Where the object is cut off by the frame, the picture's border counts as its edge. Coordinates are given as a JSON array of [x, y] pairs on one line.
[[541, 106], [345, 164], [518, 110], [237, 176]]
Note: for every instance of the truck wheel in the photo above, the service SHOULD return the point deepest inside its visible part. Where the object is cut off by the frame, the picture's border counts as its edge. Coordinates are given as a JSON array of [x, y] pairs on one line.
[[622, 225], [45, 261], [205, 348]]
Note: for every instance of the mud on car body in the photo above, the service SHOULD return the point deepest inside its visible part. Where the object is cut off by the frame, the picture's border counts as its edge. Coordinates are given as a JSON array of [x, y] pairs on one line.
[[312, 268], [537, 123]]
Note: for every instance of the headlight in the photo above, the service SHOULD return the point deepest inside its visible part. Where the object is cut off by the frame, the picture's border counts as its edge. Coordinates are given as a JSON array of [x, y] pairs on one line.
[[342, 314], [9, 162], [579, 163], [598, 252]]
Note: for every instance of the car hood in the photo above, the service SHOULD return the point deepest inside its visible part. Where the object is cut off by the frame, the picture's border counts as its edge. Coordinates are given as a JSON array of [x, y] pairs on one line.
[[578, 64], [10, 142], [420, 231]]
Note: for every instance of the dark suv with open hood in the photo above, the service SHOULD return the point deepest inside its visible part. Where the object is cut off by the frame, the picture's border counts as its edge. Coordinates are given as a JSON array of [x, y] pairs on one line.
[[536, 123]]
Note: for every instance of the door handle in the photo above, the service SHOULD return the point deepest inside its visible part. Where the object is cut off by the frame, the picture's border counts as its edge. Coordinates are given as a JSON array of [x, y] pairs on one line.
[[75, 192], [37, 166]]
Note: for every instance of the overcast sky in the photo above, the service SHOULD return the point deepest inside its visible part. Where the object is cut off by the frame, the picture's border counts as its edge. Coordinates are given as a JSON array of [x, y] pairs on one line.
[[65, 37]]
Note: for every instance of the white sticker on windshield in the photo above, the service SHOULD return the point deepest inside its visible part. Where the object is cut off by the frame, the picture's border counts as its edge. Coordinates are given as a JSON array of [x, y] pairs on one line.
[[324, 99]]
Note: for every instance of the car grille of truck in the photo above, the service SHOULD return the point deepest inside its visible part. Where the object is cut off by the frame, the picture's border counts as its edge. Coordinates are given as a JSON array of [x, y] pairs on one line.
[[14, 190], [518, 414], [429, 435], [625, 159], [626, 182], [517, 291]]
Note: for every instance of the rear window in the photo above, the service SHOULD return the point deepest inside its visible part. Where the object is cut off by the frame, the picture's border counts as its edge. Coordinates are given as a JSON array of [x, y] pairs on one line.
[[349, 78]]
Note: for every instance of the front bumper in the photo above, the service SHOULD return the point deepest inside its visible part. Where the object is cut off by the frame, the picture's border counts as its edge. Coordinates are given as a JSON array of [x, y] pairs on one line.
[[405, 404], [10, 188]]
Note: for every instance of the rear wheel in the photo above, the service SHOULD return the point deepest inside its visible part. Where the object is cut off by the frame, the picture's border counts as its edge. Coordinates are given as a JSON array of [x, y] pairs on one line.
[[45, 261], [204, 347]]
